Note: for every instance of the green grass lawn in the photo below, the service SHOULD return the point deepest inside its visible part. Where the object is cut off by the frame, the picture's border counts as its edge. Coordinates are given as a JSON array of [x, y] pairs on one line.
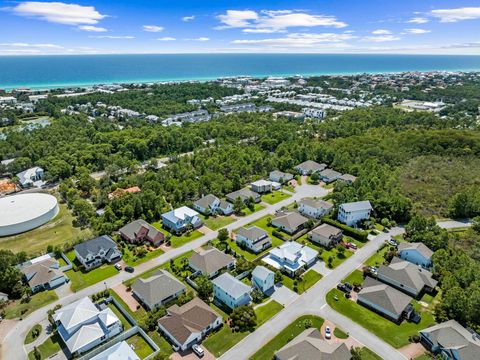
[[290, 188], [50, 347], [140, 346], [17, 309], [367, 354], [216, 222], [337, 257], [378, 258], [395, 335], [287, 334], [126, 324], [81, 279], [56, 232], [309, 279], [274, 197], [247, 211], [356, 277], [247, 254], [131, 260], [222, 340], [267, 311], [29, 338], [340, 334], [178, 241]]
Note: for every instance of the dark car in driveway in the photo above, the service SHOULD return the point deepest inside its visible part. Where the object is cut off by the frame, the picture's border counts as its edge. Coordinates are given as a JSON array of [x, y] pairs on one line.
[[129, 269]]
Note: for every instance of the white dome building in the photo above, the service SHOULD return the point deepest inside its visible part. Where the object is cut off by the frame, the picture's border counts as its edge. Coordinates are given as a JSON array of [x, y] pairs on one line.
[[23, 212]]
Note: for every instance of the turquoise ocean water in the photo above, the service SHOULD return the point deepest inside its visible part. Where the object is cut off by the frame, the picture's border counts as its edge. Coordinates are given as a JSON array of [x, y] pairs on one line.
[[60, 71]]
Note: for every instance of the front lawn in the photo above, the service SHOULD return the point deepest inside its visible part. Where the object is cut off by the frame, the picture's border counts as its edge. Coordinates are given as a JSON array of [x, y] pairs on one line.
[[266, 311], [367, 354], [247, 254], [30, 337], [247, 211], [175, 240], [216, 222], [356, 277], [308, 279], [130, 259], [19, 309], [274, 197], [140, 346], [378, 258], [336, 256], [395, 335], [80, 279], [286, 335], [340, 334], [50, 347], [222, 340]]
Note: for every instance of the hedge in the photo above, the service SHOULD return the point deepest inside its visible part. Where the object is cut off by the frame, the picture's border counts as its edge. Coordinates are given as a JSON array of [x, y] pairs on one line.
[[360, 235]]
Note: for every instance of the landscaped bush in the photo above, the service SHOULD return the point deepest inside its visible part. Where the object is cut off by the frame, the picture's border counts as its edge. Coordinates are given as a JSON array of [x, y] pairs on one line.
[[347, 230]]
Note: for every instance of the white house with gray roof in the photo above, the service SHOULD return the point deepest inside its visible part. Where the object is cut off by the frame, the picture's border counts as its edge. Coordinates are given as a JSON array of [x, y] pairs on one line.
[[158, 289], [181, 219], [354, 212], [95, 252], [290, 222], [31, 177], [326, 235], [280, 176], [416, 253], [230, 291], [43, 273], [329, 175], [82, 325], [207, 204], [309, 167], [451, 341], [314, 208], [254, 238]]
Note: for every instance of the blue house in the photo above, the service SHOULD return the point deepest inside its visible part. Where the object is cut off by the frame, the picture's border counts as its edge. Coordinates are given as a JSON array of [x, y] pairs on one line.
[[181, 219], [230, 291], [416, 253], [263, 279]]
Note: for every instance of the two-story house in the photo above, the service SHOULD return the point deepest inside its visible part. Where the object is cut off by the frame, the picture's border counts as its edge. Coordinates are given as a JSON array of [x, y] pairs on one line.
[[181, 220], [230, 291], [354, 212], [291, 257], [314, 208], [326, 235], [416, 253], [95, 252], [139, 231], [254, 238], [263, 279]]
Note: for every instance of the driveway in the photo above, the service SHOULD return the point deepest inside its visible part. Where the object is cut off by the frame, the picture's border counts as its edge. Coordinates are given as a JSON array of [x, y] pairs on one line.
[[126, 296], [190, 355], [63, 290], [321, 268], [283, 295]]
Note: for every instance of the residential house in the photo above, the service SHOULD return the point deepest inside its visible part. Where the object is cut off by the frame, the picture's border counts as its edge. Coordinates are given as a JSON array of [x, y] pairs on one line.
[[188, 324], [349, 179], [238, 108], [280, 177], [210, 261], [82, 325], [43, 273], [407, 277], [95, 252], [119, 351], [225, 208], [261, 186], [244, 195], [329, 175], [3, 297], [139, 231], [384, 299], [416, 253], [310, 345], [451, 341], [314, 113], [158, 289], [121, 192], [254, 238], [354, 212], [326, 235], [309, 167], [230, 291], [314, 208], [291, 257], [181, 220], [31, 177], [263, 279], [207, 205], [290, 222]]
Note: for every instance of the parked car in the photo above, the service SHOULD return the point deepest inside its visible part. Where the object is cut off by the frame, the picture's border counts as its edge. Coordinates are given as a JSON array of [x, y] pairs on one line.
[[328, 333], [350, 245], [129, 269], [118, 267], [197, 349], [392, 242], [348, 286], [342, 287]]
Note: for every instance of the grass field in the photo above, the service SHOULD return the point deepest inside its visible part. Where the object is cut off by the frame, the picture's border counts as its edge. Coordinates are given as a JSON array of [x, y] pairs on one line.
[[29, 338], [56, 232], [17, 309], [140, 346], [395, 335], [378, 258], [80, 279], [287, 334], [247, 211], [367, 354], [50, 347], [178, 241], [267, 311], [340, 334], [217, 222], [309, 279], [337, 257], [274, 197], [131, 260], [356, 277], [126, 324]]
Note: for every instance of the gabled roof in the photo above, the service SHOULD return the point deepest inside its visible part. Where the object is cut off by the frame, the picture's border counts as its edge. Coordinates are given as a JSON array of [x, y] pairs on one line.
[[130, 230], [317, 204], [357, 206], [231, 286], [348, 177], [261, 273], [193, 317], [261, 182], [384, 296], [180, 214], [420, 247], [452, 335], [157, 287], [290, 220], [206, 201], [310, 345], [330, 173], [408, 274], [119, 351], [311, 165], [41, 272], [84, 336], [252, 233], [95, 245], [76, 313], [327, 231], [210, 260], [243, 194]]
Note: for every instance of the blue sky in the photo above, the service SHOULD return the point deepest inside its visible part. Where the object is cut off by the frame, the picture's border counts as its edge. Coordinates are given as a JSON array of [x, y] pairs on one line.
[[333, 26]]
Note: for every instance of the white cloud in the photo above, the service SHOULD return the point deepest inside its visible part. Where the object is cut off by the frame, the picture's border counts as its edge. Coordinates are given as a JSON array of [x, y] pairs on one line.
[[455, 15], [418, 20], [275, 21], [301, 40], [27, 45], [261, 31], [416, 31], [166, 38], [381, 38], [188, 18], [381, 32], [199, 39], [152, 28], [112, 37], [58, 12], [92, 28]]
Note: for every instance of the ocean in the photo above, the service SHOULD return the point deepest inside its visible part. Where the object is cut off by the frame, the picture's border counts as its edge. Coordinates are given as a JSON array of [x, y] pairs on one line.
[[41, 72]]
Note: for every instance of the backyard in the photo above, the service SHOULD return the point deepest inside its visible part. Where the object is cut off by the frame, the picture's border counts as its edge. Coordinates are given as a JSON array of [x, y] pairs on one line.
[[336, 256], [140, 346], [274, 197]]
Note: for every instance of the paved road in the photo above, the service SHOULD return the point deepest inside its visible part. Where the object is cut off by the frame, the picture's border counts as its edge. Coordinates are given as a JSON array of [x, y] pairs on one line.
[[12, 346], [454, 224], [313, 302]]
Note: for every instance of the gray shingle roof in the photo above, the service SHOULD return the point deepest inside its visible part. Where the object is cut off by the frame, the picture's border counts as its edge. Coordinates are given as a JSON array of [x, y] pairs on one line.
[[243, 194], [291, 220], [384, 296], [252, 233], [311, 165], [317, 204], [326, 230], [330, 173], [206, 201], [420, 247], [95, 245], [231, 286], [130, 230], [357, 206], [210, 260], [158, 287]]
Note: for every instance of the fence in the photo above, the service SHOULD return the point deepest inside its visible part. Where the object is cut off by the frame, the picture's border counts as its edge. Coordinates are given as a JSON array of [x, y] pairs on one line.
[[69, 265]]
